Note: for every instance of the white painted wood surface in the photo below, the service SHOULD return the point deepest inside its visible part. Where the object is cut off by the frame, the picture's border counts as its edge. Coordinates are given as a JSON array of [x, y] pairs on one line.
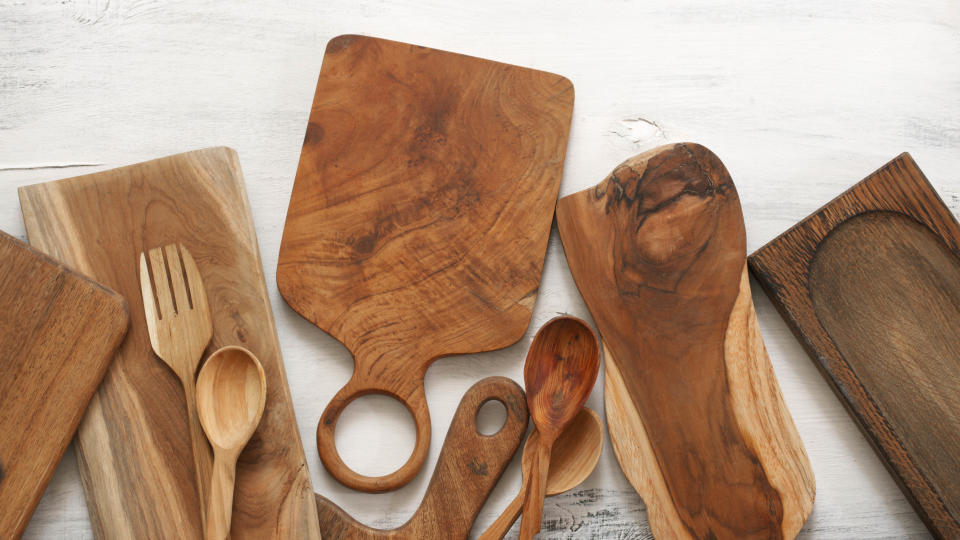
[[799, 98]]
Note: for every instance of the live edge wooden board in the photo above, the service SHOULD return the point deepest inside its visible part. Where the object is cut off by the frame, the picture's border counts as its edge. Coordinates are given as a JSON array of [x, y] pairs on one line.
[[58, 332], [419, 218], [696, 419], [870, 284], [133, 444]]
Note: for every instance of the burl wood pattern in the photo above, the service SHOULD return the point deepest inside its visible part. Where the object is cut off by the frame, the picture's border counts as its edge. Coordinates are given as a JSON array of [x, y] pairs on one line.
[[420, 215], [870, 284], [133, 444], [695, 414], [58, 333], [469, 467]]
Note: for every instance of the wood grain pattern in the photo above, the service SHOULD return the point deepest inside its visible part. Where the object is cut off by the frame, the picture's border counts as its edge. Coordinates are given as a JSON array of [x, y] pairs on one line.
[[696, 417], [58, 333], [469, 467], [870, 284], [419, 217], [133, 445]]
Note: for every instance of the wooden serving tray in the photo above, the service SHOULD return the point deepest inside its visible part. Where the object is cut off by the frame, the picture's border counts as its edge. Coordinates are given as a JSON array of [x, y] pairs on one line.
[[133, 444], [695, 414], [58, 333], [419, 218], [870, 284]]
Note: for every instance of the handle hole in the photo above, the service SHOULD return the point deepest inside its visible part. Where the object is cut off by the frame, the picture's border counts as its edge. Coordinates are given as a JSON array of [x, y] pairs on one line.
[[375, 435], [491, 417]]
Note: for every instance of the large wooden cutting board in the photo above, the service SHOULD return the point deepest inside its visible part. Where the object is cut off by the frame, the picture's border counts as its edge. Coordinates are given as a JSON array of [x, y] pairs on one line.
[[870, 284], [420, 215], [133, 443], [58, 332], [695, 414]]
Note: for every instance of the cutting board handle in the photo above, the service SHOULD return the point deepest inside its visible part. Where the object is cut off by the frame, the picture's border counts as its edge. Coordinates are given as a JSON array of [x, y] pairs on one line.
[[414, 399], [469, 467]]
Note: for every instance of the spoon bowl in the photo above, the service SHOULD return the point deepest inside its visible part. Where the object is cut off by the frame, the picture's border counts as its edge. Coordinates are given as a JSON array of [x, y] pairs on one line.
[[231, 395]]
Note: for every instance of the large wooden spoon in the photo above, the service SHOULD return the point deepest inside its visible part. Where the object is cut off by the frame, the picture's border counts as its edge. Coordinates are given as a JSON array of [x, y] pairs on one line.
[[231, 394], [574, 456], [559, 373]]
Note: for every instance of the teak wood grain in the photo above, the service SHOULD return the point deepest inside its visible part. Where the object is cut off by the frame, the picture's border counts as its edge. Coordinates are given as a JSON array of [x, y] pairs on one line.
[[870, 284], [133, 445], [696, 418], [58, 333], [469, 467], [419, 218]]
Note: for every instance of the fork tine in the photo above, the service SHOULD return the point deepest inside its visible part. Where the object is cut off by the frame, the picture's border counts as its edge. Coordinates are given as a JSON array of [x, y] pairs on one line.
[[197, 292], [146, 290], [161, 283], [176, 277]]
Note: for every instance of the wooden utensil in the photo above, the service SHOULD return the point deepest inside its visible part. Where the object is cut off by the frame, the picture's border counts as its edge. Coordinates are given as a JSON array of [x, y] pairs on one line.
[[870, 284], [100, 223], [559, 374], [178, 321], [58, 332], [419, 218], [574, 456], [469, 467], [231, 393], [696, 419]]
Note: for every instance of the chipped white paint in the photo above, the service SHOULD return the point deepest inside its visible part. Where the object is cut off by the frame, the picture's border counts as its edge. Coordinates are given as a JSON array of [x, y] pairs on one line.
[[799, 98]]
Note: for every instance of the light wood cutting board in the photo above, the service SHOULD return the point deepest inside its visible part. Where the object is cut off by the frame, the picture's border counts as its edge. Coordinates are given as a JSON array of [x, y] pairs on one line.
[[696, 419], [58, 333], [133, 444], [419, 217], [870, 283]]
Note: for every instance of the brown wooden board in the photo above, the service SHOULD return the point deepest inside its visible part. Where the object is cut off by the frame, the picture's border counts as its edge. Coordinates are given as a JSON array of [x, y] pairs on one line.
[[870, 284], [420, 215], [58, 333], [695, 414], [133, 445], [469, 467]]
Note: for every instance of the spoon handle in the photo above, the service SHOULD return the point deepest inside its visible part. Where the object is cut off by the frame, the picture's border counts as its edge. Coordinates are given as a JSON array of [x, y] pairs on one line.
[[533, 506], [499, 528], [220, 504]]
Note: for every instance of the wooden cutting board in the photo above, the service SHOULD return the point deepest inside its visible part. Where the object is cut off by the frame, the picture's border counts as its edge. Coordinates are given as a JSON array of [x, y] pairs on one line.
[[870, 284], [58, 333], [469, 467], [420, 215], [133, 444], [695, 414]]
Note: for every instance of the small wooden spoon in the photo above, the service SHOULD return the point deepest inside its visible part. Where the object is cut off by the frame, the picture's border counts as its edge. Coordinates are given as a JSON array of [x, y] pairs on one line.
[[574, 456], [231, 394], [559, 373]]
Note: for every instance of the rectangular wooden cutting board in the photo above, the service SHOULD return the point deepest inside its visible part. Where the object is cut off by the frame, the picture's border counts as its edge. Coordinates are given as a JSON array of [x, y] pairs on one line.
[[133, 444], [870, 284], [58, 332]]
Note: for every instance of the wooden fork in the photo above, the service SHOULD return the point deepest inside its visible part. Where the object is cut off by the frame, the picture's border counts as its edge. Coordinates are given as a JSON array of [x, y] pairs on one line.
[[178, 320]]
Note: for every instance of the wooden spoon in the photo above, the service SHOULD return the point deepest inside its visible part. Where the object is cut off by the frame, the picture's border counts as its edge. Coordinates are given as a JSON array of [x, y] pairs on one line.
[[574, 456], [231, 394], [559, 373]]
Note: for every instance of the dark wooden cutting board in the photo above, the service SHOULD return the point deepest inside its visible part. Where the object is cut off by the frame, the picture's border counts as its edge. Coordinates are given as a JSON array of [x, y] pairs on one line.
[[58, 333], [420, 215], [469, 466], [695, 414], [133, 444], [870, 284]]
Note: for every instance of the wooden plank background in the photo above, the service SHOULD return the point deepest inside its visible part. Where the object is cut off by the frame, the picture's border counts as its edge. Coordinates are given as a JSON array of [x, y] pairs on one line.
[[799, 98]]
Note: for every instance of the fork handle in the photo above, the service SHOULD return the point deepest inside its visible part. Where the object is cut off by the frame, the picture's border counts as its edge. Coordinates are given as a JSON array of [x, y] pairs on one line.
[[202, 453]]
